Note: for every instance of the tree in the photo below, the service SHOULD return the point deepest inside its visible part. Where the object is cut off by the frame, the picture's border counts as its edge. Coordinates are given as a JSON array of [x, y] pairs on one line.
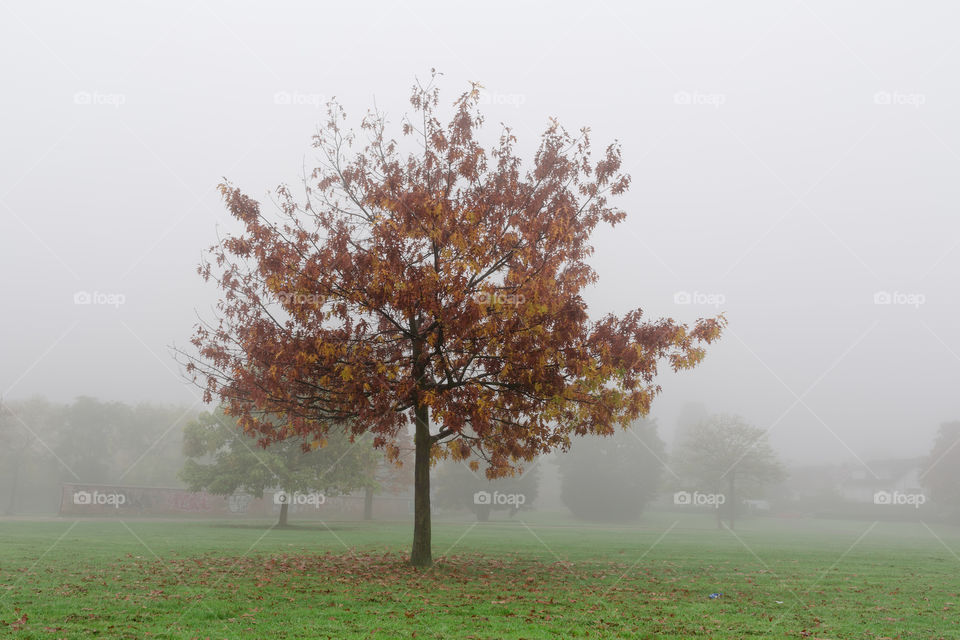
[[724, 452], [158, 456], [27, 428], [460, 487], [439, 286], [33, 456], [613, 479], [691, 415], [221, 459], [91, 438], [942, 473], [14, 444], [392, 476], [87, 440]]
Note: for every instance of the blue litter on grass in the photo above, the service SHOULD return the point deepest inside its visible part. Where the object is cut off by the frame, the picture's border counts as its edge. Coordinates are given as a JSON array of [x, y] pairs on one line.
[[714, 596]]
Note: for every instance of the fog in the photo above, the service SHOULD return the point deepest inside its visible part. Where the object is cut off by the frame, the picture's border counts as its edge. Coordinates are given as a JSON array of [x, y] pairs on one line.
[[793, 168]]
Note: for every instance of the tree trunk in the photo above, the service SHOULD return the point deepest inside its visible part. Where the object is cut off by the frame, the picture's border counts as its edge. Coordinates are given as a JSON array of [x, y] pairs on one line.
[[12, 496], [283, 514], [421, 555], [368, 503], [733, 500]]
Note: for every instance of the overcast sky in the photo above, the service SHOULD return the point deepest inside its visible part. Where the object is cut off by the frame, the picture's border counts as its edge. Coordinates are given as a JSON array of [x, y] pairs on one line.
[[794, 163]]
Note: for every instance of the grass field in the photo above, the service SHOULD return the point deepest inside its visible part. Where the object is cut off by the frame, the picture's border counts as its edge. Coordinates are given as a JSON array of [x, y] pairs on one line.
[[536, 578]]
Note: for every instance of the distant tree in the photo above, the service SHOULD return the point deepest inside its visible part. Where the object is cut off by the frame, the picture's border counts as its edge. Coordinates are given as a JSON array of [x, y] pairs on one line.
[[156, 456], [222, 458], [725, 454], [14, 443], [612, 479], [461, 488], [392, 475], [115, 442], [92, 439], [43, 444], [691, 415], [941, 475], [31, 469]]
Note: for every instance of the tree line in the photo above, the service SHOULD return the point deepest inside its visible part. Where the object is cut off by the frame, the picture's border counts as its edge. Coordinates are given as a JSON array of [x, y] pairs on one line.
[[614, 478], [44, 444]]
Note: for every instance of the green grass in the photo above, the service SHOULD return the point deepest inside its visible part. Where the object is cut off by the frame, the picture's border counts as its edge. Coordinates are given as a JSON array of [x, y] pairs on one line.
[[537, 578]]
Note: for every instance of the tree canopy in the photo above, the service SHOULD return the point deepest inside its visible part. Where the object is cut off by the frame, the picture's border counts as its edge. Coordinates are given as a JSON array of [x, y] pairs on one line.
[[438, 283], [726, 454], [941, 474], [222, 459], [613, 478]]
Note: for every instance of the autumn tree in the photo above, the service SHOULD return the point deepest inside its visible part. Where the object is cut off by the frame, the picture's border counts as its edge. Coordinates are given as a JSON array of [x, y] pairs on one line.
[[941, 474], [435, 281], [221, 459], [725, 454]]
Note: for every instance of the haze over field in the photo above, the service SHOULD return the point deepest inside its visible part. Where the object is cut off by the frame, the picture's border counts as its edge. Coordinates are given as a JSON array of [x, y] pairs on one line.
[[513, 319], [793, 166]]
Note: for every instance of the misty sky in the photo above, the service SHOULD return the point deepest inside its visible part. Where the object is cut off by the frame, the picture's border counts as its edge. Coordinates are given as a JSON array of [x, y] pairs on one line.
[[791, 160]]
